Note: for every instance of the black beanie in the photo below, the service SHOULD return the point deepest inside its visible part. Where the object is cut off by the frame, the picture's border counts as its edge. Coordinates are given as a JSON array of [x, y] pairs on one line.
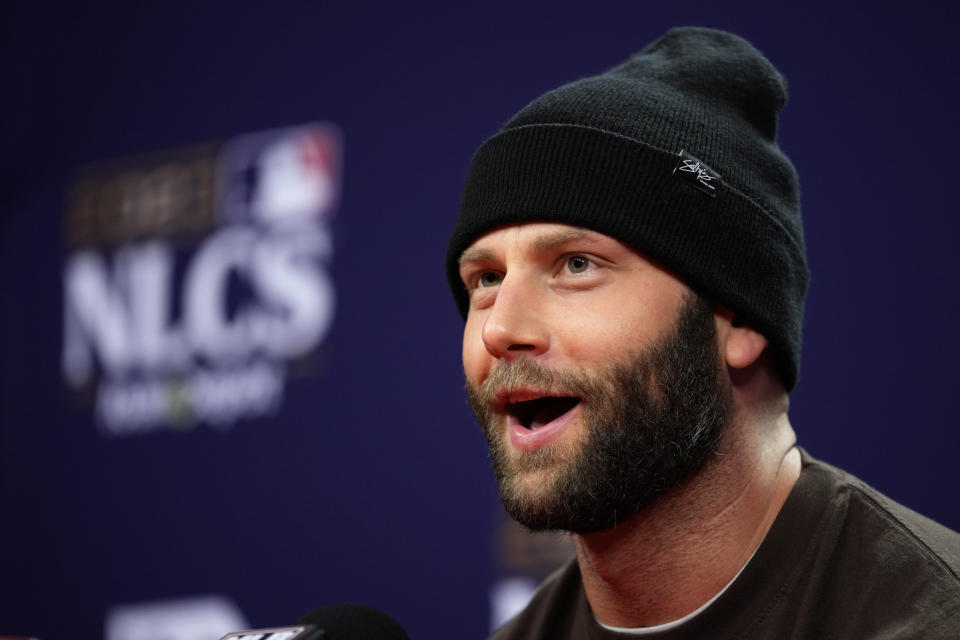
[[673, 153]]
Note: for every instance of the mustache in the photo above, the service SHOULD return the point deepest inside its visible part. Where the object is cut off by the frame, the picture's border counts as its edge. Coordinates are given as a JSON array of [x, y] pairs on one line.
[[522, 373]]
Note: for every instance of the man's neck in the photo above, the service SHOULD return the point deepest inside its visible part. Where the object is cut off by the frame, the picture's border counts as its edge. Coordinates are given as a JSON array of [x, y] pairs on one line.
[[683, 549]]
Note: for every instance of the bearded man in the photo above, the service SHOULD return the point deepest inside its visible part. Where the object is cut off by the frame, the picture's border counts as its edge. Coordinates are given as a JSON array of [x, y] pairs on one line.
[[630, 262]]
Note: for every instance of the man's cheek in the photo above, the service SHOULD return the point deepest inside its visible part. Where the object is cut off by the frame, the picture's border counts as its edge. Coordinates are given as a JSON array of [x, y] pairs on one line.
[[476, 359]]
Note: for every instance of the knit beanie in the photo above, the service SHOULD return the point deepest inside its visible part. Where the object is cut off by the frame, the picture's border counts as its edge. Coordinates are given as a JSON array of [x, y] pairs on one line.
[[673, 153]]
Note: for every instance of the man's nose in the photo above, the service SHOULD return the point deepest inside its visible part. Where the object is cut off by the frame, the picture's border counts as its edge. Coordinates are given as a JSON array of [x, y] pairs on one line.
[[515, 325]]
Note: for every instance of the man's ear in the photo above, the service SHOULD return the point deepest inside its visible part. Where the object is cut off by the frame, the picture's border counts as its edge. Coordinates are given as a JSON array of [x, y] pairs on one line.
[[740, 344]]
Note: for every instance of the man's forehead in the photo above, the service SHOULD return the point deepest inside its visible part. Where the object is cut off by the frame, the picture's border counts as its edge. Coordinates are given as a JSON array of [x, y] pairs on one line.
[[538, 236]]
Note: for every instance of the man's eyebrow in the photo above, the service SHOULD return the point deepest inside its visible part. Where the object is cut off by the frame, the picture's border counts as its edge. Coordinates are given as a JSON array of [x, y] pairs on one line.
[[541, 244], [552, 241], [476, 254]]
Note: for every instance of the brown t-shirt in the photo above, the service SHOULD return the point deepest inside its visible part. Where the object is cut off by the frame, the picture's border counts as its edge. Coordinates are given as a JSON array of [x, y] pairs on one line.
[[840, 561]]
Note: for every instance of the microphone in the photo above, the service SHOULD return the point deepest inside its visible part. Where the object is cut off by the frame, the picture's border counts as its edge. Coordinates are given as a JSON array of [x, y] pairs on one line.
[[332, 622], [299, 632]]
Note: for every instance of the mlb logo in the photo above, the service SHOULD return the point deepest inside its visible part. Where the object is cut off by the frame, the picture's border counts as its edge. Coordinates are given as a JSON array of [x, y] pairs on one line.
[[281, 178]]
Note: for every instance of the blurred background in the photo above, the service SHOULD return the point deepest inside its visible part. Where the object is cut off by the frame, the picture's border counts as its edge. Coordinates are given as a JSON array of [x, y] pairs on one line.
[[231, 387]]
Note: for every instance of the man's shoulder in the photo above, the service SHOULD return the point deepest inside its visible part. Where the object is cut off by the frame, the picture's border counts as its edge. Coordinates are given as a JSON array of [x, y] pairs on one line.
[[868, 554], [885, 525], [552, 612]]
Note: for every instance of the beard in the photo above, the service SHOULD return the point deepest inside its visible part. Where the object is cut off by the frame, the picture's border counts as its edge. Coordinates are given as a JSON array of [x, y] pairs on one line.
[[652, 420]]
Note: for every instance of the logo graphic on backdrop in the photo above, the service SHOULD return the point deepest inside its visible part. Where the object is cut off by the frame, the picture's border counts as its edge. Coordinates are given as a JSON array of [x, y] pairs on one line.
[[199, 618], [196, 279]]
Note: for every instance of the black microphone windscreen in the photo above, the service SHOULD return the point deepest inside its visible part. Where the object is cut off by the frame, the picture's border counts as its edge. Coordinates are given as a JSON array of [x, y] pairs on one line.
[[354, 622]]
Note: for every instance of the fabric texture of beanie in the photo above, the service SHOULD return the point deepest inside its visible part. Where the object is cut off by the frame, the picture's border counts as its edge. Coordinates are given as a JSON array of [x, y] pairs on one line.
[[673, 153]]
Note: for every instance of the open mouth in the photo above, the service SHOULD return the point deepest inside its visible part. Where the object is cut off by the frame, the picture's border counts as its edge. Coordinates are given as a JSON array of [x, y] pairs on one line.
[[540, 411]]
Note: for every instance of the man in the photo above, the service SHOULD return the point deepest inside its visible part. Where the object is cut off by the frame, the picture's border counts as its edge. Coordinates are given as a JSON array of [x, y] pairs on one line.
[[630, 262]]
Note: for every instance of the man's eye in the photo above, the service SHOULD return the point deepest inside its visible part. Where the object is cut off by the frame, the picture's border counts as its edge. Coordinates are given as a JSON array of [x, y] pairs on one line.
[[488, 279], [578, 264]]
